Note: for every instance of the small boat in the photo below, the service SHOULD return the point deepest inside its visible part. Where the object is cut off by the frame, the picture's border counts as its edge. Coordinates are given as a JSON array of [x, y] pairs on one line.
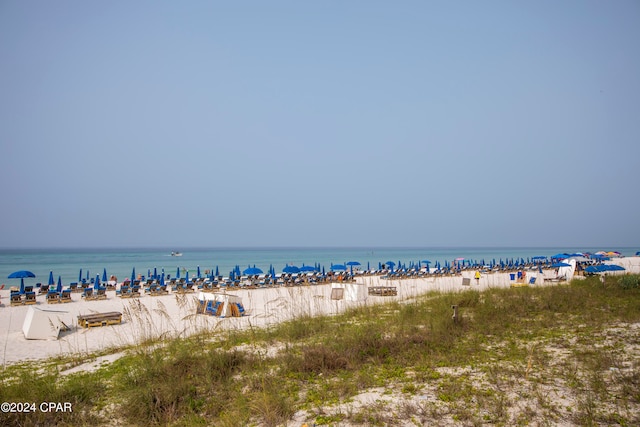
[[176, 253]]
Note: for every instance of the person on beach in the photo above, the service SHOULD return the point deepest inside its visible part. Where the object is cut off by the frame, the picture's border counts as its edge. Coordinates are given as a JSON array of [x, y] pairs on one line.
[[478, 278]]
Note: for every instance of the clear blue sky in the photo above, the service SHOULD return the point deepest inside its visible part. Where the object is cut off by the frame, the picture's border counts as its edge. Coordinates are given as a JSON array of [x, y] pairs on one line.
[[319, 123]]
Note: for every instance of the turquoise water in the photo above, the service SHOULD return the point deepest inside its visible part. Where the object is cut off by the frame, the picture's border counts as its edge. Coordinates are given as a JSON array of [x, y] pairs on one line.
[[120, 262]]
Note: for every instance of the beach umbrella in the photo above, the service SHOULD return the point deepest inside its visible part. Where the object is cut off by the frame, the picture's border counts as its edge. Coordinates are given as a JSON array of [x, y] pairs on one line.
[[59, 287], [595, 269], [291, 269], [51, 282], [217, 271], [186, 277], [178, 273], [252, 271], [353, 263], [198, 272], [96, 284], [133, 275], [80, 276], [307, 268], [560, 264], [21, 274], [104, 275], [338, 267]]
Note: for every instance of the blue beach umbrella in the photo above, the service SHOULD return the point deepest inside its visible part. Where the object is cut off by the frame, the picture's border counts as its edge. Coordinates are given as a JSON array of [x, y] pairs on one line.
[[80, 276], [21, 274], [560, 264], [51, 282], [351, 263], [178, 273], [133, 275], [291, 269], [252, 271], [338, 267], [104, 275], [186, 277], [198, 272], [96, 284], [59, 287], [217, 271]]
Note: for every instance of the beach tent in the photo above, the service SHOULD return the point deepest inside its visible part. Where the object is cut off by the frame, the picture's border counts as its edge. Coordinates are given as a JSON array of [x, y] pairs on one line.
[[221, 304], [42, 324], [567, 271]]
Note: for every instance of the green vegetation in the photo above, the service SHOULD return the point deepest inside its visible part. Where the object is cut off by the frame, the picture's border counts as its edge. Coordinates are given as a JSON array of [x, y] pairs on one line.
[[567, 354]]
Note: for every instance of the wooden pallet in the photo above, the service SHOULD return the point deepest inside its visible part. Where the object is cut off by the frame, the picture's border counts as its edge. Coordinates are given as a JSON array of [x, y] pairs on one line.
[[100, 319], [383, 290]]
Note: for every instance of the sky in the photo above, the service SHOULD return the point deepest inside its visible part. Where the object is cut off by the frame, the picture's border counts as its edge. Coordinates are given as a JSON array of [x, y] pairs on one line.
[[319, 123]]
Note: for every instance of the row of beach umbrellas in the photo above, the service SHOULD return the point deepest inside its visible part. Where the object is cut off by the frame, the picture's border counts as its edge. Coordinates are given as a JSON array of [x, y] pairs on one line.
[[556, 261]]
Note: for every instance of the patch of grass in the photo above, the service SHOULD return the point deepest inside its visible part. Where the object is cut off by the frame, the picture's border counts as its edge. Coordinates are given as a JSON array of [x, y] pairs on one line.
[[512, 356]]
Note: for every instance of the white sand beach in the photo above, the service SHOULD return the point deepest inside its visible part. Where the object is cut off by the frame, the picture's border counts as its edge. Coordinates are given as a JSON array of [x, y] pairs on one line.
[[150, 317]]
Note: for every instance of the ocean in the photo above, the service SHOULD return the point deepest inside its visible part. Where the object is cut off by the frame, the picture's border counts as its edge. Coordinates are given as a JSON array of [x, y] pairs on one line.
[[68, 263]]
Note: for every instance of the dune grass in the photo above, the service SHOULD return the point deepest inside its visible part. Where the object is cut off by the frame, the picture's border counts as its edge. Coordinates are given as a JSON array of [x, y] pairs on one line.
[[565, 354]]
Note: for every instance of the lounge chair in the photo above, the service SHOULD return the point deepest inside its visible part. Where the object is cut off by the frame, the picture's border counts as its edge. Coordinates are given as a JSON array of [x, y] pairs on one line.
[[73, 287], [43, 289], [135, 290], [123, 292], [16, 298], [30, 298], [53, 297], [101, 293], [65, 296], [88, 294]]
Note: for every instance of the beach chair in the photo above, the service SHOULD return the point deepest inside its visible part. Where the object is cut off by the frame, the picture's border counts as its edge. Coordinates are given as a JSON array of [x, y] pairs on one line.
[[30, 297], [101, 294], [53, 297], [88, 294], [214, 308], [123, 292], [65, 296], [43, 289], [134, 292], [241, 310], [15, 298], [532, 281], [73, 287]]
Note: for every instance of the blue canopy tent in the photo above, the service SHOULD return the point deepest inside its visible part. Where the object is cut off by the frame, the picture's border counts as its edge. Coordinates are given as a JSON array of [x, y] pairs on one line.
[[21, 274]]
